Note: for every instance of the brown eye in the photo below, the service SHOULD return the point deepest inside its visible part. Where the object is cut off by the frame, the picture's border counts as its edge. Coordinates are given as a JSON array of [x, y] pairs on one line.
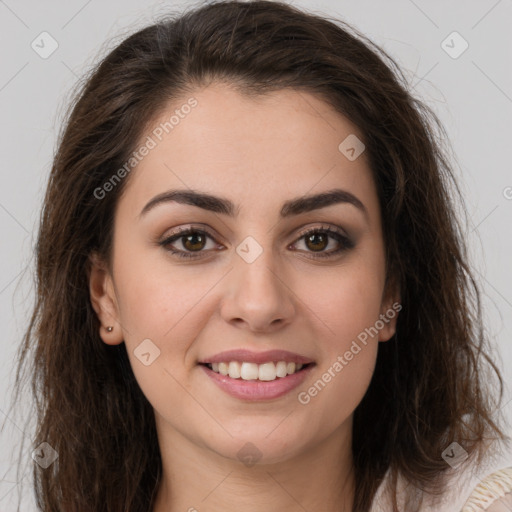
[[192, 241], [318, 239]]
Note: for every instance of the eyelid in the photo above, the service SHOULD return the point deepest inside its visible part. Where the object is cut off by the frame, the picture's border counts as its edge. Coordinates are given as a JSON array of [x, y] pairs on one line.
[[303, 231], [340, 235], [190, 227], [323, 227], [345, 241]]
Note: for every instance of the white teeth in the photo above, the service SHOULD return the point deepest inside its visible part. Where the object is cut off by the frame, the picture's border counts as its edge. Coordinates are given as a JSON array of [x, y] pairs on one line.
[[234, 369], [252, 371], [223, 368], [281, 369], [267, 371], [249, 371]]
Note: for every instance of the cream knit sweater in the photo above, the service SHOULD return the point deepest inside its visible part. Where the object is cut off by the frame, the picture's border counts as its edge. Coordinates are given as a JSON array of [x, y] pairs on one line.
[[471, 490]]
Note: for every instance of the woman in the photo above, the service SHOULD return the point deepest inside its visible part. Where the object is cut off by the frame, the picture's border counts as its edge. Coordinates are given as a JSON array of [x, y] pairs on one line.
[[252, 287]]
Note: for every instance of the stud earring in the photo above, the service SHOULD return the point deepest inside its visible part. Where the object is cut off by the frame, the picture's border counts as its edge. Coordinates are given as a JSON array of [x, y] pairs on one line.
[[110, 328]]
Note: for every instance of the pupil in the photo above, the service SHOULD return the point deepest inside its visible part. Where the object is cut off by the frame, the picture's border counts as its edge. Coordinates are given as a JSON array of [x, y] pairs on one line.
[[314, 237], [192, 237]]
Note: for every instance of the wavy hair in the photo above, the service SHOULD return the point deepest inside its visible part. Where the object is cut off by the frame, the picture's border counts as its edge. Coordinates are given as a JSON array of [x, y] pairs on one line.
[[433, 380]]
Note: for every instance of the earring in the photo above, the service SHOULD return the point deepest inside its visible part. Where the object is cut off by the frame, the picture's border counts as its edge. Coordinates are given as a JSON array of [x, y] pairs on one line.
[[110, 328]]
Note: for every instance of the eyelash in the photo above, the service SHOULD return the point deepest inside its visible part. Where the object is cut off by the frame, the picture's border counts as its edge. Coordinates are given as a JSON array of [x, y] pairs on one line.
[[345, 243]]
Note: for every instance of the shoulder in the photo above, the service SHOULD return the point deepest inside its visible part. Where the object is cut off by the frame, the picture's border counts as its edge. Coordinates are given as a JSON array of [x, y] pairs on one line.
[[493, 493], [471, 489]]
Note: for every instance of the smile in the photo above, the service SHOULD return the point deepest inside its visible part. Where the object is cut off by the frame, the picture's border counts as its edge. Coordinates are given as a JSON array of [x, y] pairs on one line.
[[254, 389], [251, 371]]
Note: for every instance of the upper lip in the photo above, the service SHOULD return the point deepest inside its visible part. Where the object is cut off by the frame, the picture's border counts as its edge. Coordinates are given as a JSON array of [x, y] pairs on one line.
[[244, 355]]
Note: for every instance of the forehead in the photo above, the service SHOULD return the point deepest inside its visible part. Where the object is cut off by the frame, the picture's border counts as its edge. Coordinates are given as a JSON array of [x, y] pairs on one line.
[[254, 150]]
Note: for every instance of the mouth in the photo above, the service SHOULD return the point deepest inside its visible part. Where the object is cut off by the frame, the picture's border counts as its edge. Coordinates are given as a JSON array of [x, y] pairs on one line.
[[265, 372], [245, 383], [257, 376]]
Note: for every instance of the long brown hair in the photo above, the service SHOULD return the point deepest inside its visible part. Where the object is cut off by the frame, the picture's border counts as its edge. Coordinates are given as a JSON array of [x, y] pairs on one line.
[[433, 380]]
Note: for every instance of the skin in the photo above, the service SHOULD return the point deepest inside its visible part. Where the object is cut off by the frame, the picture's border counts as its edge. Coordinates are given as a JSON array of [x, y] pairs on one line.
[[259, 154]]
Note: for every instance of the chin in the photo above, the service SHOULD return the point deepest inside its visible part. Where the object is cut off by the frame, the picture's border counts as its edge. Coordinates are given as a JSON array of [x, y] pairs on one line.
[[259, 446]]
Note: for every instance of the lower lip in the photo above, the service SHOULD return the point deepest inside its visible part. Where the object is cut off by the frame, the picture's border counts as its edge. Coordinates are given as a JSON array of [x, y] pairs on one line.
[[257, 390]]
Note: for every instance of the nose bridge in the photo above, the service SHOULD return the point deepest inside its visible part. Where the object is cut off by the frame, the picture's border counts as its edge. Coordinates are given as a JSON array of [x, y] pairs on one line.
[[257, 294]]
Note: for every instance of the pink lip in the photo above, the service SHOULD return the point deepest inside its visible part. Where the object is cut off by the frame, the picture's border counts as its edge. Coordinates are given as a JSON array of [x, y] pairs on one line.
[[243, 355], [255, 390]]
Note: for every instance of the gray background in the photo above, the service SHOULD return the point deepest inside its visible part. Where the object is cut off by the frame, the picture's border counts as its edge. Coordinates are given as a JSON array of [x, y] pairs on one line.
[[472, 94]]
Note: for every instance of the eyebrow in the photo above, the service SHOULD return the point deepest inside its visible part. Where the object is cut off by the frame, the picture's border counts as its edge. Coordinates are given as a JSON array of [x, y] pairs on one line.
[[226, 207]]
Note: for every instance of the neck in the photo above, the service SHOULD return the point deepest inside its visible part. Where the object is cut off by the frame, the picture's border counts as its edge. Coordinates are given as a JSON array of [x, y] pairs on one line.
[[196, 478]]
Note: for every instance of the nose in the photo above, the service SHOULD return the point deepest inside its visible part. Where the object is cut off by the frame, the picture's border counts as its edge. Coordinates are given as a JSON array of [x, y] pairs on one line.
[[259, 295]]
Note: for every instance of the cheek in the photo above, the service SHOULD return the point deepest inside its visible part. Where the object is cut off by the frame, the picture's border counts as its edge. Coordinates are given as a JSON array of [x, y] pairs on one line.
[[340, 385], [155, 294], [346, 299], [349, 346], [169, 305], [163, 305], [349, 335]]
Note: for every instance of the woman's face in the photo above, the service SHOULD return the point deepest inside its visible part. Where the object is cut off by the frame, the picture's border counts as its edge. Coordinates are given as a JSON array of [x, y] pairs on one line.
[[255, 280]]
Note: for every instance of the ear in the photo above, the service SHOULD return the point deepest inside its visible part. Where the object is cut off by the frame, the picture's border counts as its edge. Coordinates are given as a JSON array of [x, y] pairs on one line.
[[390, 307], [103, 300]]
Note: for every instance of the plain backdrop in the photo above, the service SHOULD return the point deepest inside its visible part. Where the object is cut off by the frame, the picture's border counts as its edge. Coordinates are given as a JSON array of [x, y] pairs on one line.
[[465, 77]]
